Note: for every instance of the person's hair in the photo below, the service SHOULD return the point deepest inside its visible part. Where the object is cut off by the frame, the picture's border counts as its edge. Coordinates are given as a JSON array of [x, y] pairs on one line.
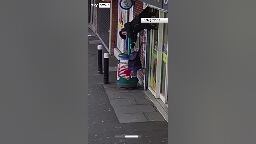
[[122, 35]]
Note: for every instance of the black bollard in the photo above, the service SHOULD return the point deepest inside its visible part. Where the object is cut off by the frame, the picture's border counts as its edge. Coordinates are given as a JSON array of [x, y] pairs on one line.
[[106, 68], [100, 59]]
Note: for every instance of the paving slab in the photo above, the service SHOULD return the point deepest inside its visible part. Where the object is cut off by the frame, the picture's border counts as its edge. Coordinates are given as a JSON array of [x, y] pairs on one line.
[[119, 96], [94, 42], [142, 100], [130, 118], [122, 102], [135, 109], [154, 116], [131, 105], [114, 93], [112, 69]]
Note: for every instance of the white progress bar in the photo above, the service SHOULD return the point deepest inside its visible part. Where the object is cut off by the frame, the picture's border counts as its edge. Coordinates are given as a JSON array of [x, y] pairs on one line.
[[131, 136], [104, 5], [128, 136], [154, 20]]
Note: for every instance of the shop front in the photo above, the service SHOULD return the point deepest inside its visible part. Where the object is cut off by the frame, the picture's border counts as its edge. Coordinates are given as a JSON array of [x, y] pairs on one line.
[[157, 61], [154, 49]]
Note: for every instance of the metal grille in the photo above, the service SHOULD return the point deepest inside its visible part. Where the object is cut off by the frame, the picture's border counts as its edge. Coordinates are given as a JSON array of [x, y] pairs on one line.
[[89, 11], [103, 24]]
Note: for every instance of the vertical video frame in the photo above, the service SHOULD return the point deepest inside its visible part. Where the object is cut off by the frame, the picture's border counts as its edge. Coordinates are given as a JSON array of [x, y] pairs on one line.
[[128, 71]]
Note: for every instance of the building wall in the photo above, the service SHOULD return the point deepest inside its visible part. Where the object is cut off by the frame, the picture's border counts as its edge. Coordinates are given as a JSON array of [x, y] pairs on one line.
[[138, 8], [114, 24]]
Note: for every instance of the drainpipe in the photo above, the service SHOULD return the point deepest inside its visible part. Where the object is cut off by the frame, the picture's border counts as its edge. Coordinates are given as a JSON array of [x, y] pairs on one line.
[[110, 28]]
